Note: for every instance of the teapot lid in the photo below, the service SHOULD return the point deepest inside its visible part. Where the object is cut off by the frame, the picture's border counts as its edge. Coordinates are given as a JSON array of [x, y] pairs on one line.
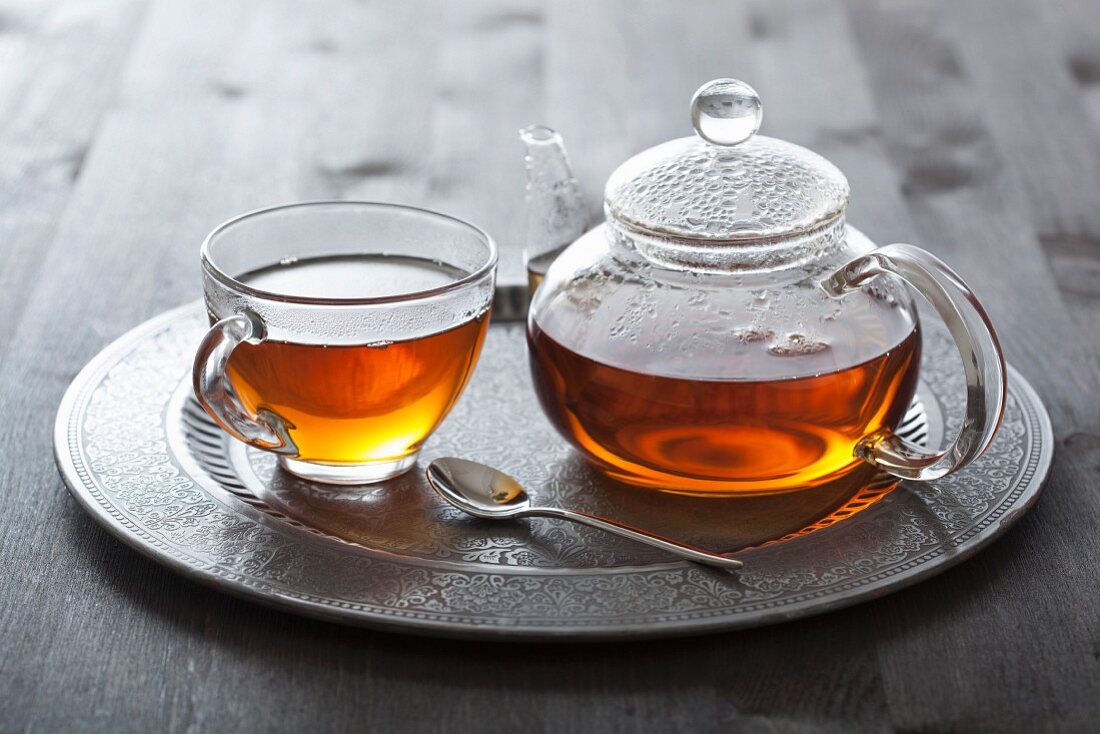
[[726, 183]]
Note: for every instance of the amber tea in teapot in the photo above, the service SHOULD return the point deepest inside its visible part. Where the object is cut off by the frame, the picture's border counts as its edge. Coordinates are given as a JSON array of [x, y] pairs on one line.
[[764, 431], [725, 332]]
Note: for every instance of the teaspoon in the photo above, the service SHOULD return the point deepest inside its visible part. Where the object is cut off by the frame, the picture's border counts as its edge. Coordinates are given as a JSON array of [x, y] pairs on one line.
[[484, 492]]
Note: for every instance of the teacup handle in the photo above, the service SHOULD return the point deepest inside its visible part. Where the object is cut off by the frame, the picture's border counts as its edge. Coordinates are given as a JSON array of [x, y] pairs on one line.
[[264, 429], [983, 362]]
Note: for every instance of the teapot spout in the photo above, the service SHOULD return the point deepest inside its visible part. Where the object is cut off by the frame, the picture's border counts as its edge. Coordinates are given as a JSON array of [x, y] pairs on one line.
[[556, 215]]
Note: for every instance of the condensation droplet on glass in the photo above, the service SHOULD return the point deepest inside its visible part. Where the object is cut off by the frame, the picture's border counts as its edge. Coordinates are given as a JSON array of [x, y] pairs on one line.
[[797, 344], [752, 334]]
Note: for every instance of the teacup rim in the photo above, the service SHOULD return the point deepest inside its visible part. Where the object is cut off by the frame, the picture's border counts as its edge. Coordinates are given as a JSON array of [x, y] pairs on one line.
[[227, 280]]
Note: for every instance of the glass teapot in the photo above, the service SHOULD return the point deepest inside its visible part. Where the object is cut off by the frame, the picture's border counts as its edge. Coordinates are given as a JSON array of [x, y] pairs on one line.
[[725, 332]]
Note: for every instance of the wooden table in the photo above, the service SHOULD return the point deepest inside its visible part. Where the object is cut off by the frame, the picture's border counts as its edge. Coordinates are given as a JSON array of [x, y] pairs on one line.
[[128, 129]]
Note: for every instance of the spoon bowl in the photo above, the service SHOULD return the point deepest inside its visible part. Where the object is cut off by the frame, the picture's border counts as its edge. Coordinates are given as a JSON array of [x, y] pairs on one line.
[[480, 490]]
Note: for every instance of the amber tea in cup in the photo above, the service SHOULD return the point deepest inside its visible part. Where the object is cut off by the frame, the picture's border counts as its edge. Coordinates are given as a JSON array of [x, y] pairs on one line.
[[343, 349], [357, 403]]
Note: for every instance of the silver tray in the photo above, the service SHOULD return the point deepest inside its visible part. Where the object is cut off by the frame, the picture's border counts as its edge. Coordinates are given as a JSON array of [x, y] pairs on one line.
[[146, 463]]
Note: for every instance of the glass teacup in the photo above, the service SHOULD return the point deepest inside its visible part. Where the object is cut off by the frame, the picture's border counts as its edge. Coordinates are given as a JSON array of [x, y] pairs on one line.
[[343, 332]]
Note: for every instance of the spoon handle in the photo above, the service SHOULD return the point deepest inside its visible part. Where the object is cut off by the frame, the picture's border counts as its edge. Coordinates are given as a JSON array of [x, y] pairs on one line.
[[680, 549]]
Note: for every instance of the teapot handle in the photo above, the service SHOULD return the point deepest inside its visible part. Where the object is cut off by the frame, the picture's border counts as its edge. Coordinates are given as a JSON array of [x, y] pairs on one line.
[[983, 361]]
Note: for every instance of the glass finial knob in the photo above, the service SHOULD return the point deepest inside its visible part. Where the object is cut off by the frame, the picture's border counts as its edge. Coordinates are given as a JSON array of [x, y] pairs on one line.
[[726, 112]]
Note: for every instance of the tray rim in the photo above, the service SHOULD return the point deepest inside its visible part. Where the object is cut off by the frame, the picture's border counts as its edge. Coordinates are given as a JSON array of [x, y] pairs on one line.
[[81, 488]]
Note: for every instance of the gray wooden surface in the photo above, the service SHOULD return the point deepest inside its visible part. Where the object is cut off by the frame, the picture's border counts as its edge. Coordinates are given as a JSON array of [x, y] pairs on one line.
[[129, 128]]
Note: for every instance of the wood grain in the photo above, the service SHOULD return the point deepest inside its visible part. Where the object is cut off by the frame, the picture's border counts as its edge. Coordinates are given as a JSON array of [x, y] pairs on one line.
[[128, 129], [58, 68]]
